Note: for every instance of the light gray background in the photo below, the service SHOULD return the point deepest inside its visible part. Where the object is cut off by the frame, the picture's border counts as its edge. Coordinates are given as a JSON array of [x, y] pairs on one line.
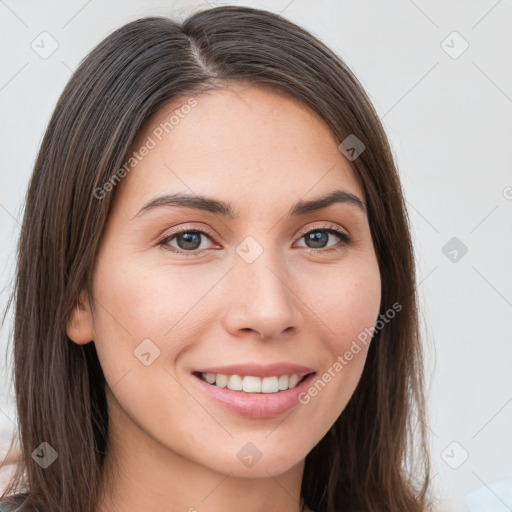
[[450, 125]]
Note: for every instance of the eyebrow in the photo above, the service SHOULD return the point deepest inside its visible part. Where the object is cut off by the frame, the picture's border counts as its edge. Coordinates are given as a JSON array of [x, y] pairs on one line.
[[225, 209]]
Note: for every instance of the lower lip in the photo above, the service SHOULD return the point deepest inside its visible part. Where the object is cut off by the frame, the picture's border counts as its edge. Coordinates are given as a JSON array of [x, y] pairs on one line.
[[256, 405]]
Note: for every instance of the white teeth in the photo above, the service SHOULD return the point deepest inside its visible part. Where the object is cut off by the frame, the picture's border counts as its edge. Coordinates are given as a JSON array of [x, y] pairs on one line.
[[221, 381], [235, 383], [252, 384], [270, 385], [293, 380]]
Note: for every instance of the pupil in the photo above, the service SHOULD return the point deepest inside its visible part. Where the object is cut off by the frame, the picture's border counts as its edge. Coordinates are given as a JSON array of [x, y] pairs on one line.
[[191, 240], [316, 237]]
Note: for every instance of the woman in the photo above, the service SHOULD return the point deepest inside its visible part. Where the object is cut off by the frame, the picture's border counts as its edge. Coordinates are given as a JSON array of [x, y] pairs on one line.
[[215, 303]]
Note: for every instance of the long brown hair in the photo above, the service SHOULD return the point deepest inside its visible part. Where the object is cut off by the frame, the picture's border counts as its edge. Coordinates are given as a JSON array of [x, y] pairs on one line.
[[369, 460]]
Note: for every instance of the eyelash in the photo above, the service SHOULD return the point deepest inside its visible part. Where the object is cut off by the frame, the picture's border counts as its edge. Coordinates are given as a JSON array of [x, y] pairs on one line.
[[345, 240]]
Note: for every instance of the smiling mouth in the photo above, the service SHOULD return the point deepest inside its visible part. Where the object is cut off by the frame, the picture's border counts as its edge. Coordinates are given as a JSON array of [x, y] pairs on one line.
[[252, 384]]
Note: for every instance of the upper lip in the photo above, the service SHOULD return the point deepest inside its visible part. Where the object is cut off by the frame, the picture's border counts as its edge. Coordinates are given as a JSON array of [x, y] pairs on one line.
[[257, 370]]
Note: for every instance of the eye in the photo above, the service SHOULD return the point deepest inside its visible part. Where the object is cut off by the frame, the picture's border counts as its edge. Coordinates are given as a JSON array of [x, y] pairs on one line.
[[189, 241], [318, 237]]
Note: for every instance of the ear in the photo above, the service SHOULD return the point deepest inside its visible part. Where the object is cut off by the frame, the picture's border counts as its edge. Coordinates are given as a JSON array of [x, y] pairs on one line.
[[80, 326]]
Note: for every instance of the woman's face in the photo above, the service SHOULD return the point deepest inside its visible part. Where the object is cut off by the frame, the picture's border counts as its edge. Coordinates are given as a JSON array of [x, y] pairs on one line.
[[266, 286]]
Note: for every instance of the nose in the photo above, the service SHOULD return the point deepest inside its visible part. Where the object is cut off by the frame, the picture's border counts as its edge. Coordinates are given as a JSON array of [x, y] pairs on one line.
[[261, 299]]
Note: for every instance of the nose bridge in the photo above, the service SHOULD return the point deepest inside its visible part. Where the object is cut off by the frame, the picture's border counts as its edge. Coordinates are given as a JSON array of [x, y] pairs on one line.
[[258, 269], [264, 298]]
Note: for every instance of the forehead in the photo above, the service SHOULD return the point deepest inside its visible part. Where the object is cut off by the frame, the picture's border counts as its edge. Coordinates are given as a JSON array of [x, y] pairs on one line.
[[237, 142]]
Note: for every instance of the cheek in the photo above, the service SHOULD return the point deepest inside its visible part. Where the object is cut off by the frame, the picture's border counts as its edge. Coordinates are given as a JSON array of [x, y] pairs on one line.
[[349, 303], [147, 309], [136, 302], [347, 307]]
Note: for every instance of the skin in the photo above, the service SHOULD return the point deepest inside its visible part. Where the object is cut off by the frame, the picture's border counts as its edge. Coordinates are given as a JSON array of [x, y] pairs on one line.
[[173, 447]]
